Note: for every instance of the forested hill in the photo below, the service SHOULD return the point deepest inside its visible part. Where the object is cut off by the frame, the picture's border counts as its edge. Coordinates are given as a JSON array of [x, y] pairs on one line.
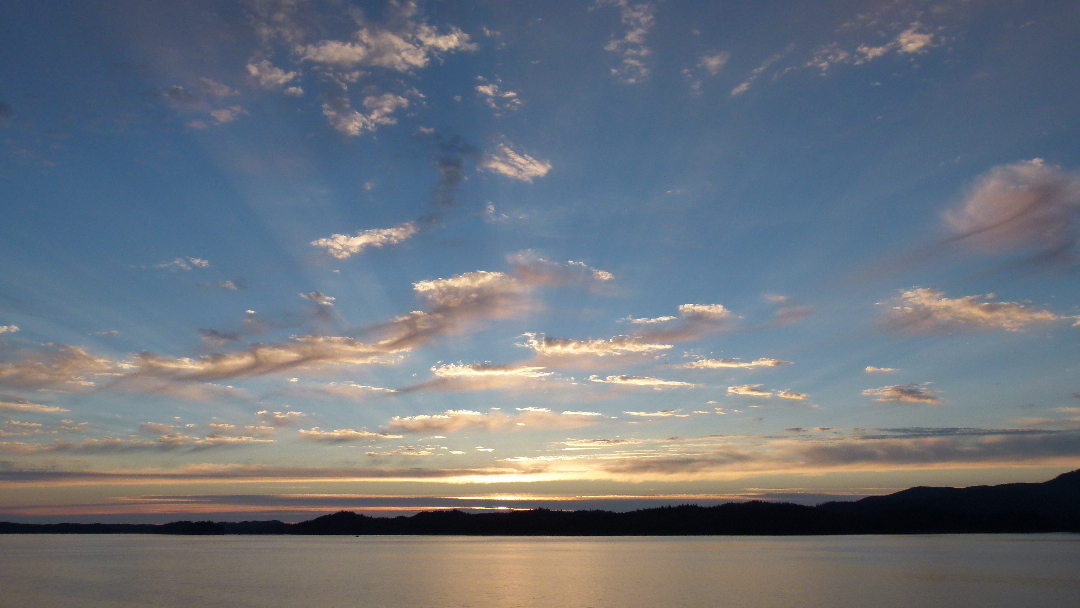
[[1051, 506]]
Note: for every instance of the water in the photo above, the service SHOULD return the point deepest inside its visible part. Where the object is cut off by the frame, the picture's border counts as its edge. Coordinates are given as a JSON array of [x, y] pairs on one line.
[[419, 572]]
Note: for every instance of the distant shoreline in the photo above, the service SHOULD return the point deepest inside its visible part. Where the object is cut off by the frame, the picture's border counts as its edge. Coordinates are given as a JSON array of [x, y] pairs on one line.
[[1051, 506]]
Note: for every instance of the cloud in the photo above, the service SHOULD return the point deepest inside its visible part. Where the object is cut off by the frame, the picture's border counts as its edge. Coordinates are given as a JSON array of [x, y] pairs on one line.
[[657, 414], [341, 115], [904, 393], [756, 72], [111, 445], [19, 405], [319, 298], [224, 115], [786, 394], [279, 420], [613, 347], [923, 310], [496, 98], [653, 383], [638, 19], [59, 366], [8, 329], [269, 76], [343, 435], [343, 246], [408, 46], [578, 413], [748, 390], [535, 270], [698, 320], [870, 369], [1023, 207], [513, 164], [714, 62], [485, 376], [733, 363], [650, 321], [349, 390], [216, 89], [912, 41], [259, 359], [456, 420], [184, 264]]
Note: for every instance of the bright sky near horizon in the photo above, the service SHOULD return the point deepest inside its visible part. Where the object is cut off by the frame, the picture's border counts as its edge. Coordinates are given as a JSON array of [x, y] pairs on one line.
[[278, 257]]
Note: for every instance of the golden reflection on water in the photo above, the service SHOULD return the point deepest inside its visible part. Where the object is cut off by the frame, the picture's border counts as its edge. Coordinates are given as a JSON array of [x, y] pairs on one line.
[[266, 571]]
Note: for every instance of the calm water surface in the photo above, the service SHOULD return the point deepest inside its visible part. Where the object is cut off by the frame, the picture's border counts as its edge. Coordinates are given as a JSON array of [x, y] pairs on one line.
[[417, 572]]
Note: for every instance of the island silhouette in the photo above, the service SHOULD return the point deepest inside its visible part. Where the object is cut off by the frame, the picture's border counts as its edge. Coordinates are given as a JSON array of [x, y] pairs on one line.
[[1050, 506]]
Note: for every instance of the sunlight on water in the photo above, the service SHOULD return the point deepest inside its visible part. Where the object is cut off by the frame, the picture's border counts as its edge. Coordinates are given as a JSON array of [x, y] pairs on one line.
[[837, 572]]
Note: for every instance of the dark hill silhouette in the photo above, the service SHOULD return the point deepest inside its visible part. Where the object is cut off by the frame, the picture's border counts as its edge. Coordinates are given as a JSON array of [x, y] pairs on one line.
[[1051, 506]]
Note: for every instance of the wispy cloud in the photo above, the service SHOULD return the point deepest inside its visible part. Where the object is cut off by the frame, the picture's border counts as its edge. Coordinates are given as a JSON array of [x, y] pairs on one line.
[[19, 405], [486, 376], [756, 72], [380, 111], [870, 369], [184, 264], [1027, 206], [638, 19], [924, 310], [318, 298], [657, 414], [279, 420], [903, 393], [507, 161], [8, 329], [643, 381], [57, 366], [618, 346], [733, 363], [343, 246], [456, 420], [497, 98], [343, 435], [749, 390], [535, 270]]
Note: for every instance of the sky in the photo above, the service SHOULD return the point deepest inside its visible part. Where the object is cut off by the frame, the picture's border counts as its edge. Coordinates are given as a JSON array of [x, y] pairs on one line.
[[276, 258]]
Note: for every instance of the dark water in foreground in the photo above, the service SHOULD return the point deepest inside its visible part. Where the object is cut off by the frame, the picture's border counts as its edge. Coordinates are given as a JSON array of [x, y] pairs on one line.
[[417, 572]]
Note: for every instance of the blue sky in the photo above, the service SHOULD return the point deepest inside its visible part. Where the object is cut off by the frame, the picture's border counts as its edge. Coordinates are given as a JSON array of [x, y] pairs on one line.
[[271, 258]]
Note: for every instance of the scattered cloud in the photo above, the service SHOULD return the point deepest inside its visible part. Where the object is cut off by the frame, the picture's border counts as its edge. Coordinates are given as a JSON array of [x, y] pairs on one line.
[[216, 89], [408, 46], [1027, 206], [535, 270], [8, 329], [349, 390], [513, 164], [380, 109], [279, 420], [904, 393], [870, 369], [456, 420], [658, 414], [638, 19], [697, 321], [319, 298], [58, 366], [756, 72], [224, 115], [924, 310], [343, 246], [453, 153], [269, 76], [749, 390], [614, 347], [786, 394], [653, 383], [496, 98], [486, 376], [343, 435], [183, 264], [733, 363], [714, 62], [8, 404]]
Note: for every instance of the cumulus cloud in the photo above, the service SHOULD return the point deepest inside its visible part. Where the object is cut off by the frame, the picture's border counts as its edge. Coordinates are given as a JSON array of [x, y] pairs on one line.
[[638, 19], [513, 164], [211, 87], [343, 246], [380, 109], [319, 298], [904, 393], [697, 320], [733, 363], [870, 369], [8, 329], [58, 366], [343, 435], [923, 310], [269, 76], [653, 383], [456, 420], [714, 62], [748, 390], [1026, 207], [786, 394]]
